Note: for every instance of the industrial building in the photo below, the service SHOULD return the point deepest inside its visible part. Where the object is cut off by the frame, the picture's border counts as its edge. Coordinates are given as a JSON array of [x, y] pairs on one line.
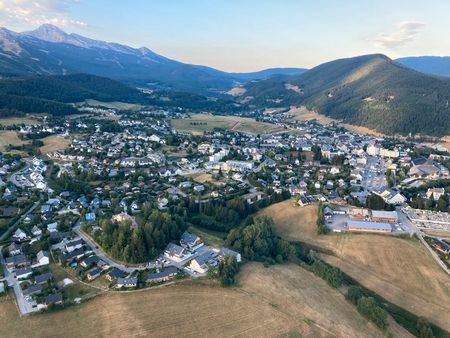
[[369, 226]]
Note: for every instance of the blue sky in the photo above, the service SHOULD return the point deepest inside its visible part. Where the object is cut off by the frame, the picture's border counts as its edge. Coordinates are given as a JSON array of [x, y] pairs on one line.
[[247, 35]]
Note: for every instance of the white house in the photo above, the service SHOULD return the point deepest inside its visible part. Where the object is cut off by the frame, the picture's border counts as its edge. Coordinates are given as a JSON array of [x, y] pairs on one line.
[[42, 258], [20, 235], [52, 227], [200, 264]]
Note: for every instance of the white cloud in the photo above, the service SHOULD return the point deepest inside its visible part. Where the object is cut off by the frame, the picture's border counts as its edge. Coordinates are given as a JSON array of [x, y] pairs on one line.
[[405, 32], [36, 12]]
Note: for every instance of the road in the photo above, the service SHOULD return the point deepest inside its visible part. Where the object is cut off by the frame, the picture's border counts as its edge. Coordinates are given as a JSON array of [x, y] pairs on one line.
[[24, 306], [374, 181], [13, 179], [407, 222]]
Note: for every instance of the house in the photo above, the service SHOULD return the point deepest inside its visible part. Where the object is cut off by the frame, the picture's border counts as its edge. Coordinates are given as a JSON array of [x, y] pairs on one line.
[[163, 275], [200, 264], [224, 252], [36, 231], [16, 261], [253, 197], [44, 278], [23, 272], [53, 298], [14, 249], [10, 211], [130, 282], [20, 235], [90, 217], [42, 258], [436, 193], [52, 227], [175, 252], [90, 261], [426, 168], [114, 274], [94, 273], [74, 245], [45, 208], [32, 290], [190, 241], [75, 254]]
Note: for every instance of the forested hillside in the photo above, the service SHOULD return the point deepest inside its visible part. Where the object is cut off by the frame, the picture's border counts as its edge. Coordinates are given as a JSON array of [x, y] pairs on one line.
[[52, 94], [370, 90]]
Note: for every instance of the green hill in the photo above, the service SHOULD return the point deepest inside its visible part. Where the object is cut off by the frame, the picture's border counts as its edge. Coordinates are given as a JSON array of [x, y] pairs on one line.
[[52, 94], [371, 90]]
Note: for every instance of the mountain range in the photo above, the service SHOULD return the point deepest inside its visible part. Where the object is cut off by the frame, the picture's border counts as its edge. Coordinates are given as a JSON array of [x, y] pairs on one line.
[[391, 96], [370, 90], [49, 50]]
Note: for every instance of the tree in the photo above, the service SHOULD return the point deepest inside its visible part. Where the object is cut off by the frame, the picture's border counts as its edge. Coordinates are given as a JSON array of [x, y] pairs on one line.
[[354, 293], [423, 328], [228, 269], [375, 202], [442, 204], [369, 308]]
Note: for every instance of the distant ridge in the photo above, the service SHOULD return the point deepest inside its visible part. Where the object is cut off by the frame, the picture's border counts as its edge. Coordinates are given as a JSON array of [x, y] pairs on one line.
[[436, 65], [50, 50]]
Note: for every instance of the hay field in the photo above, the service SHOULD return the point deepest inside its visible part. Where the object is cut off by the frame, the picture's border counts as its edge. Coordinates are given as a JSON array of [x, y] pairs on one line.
[[303, 114], [114, 105], [9, 121], [54, 143], [8, 137], [199, 123], [400, 270], [279, 301]]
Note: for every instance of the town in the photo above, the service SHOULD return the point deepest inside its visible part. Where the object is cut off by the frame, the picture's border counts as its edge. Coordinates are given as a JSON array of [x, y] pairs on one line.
[[130, 201]]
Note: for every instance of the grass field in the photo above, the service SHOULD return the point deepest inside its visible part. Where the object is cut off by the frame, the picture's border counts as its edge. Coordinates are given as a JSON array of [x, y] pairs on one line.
[[114, 105], [399, 270], [278, 301], [9, 121], [8, 137], [199, 123], [303, 114], [54, 143]]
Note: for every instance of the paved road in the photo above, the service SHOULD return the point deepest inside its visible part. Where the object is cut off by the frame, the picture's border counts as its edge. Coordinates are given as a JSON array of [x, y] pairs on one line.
[[406, 221], [25, 307], [100, 253], [13, 179]]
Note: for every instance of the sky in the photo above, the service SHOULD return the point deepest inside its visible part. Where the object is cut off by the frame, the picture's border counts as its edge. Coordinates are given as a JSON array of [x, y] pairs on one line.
[[248, 35]]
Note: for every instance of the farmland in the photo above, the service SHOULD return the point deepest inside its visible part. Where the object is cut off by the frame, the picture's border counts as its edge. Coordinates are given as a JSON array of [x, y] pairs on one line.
[[252, 309], [54, 143], [9, 121], [114, 105], [199, 123], [400, 270], [9, 137]]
